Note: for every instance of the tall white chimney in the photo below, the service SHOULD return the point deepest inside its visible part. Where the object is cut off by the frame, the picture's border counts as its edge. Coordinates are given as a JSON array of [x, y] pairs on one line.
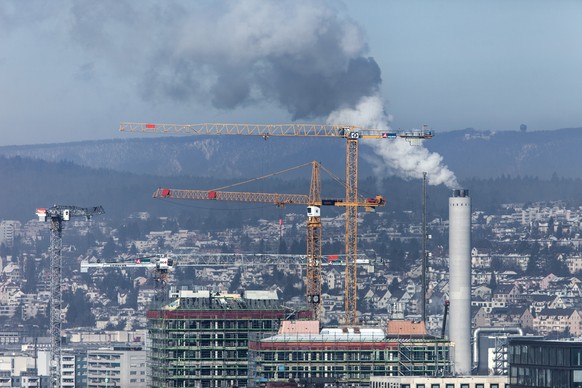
[[460, 279]]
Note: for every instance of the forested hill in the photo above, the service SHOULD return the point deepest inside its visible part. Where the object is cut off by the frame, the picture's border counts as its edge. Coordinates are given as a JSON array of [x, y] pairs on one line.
[[468, 153], [28, 184], [485, 154]]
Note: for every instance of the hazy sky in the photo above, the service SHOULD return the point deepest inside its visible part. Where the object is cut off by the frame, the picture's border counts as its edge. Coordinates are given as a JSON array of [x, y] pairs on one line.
[[74, 69]]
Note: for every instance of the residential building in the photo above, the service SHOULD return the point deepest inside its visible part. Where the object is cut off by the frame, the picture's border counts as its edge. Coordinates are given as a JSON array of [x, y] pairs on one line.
[[439, 382], [118, 366], [567, 321]]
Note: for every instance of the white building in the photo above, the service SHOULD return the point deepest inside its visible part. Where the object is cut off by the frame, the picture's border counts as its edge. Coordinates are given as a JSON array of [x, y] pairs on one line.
[[123, 367], [9, 230], [439, 382]]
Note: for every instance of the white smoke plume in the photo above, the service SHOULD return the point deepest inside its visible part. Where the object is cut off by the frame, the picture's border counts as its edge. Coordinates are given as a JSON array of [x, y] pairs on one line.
[[397, 156]]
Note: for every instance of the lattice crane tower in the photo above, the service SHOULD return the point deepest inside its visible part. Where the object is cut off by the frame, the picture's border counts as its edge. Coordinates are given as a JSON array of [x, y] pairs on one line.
[[56, 215]]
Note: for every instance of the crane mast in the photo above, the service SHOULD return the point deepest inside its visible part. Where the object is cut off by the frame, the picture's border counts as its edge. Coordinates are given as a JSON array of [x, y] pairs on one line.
[[349, 132], [351, 237], [313, 270], [56, 215]]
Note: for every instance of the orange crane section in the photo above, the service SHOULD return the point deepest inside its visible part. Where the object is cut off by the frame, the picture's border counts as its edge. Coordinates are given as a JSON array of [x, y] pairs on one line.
[[274, 198], [349, 132], [277, 199], [314, 231]]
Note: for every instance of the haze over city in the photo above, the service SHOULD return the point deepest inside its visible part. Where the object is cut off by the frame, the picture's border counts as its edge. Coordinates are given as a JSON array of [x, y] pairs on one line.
[[449, 256]]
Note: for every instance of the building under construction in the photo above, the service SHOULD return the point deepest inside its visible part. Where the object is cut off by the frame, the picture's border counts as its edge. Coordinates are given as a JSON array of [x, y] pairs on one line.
[[201, 339], [207, 340], [343, 356]]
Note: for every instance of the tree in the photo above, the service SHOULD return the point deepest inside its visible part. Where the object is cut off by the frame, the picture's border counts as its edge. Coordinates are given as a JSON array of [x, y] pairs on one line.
[[282, 246], [493, 282], [109, 248], [394, 286], [235, 282], [496, 264], [262, 245], [550, 231], [298, 247], [532, 264], [30, 275], [4, 250], [79, 311]]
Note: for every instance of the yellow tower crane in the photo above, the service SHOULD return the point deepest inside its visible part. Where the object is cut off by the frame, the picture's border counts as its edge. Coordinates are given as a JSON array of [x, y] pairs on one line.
[[313, 202], [349, 132]]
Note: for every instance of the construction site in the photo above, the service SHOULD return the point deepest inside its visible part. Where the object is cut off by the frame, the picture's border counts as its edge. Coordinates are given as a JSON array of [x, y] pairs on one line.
[[202, 339], [207, 339], [210, 340], [252, 340]]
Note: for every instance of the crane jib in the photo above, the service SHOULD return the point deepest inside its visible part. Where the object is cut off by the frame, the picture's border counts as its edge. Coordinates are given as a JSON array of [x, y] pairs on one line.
[[266, 130], [263, 130]]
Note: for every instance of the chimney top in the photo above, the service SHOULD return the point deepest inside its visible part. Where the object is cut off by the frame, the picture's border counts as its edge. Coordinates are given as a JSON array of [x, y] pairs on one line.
[[460, 193]]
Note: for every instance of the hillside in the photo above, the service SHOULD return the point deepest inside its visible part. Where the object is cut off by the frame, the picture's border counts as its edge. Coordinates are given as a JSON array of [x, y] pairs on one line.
[[469, 153], [28, 184], [482, 154]]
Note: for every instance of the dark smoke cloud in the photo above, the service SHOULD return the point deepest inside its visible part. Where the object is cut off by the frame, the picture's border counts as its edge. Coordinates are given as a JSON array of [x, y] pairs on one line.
[[316, 95], [305, 56]]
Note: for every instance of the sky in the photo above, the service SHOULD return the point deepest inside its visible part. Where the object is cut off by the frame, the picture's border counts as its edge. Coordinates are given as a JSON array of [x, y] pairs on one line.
[[72, 70]]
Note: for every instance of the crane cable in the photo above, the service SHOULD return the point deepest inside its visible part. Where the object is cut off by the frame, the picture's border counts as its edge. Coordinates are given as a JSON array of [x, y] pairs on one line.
[[261, 177]]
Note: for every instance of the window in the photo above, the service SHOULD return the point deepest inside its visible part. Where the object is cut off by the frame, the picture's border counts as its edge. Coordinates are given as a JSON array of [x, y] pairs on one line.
[[479, 385], [464, 385], [435, 386], [494, 386], [450, 386], [419, 385]]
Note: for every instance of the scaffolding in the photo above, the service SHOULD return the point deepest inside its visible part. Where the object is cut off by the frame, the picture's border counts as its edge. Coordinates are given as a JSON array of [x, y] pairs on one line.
[[202, 340], [500, 365], [344, 359]]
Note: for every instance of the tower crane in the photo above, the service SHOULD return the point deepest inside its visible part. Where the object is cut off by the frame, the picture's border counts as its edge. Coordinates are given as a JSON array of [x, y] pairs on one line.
[[314, 202], [162, 264], [159, 264], [56, 215], [351, 133]]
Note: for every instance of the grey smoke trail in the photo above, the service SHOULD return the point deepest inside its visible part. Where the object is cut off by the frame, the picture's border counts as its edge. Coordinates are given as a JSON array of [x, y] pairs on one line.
[[398, 156], [304, 56]]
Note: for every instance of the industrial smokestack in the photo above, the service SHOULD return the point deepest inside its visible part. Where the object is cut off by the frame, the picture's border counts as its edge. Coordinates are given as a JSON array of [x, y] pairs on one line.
[[460, 279]]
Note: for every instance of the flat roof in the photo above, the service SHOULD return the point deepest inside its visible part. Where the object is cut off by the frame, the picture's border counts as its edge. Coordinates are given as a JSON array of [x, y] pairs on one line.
[[260, 295]]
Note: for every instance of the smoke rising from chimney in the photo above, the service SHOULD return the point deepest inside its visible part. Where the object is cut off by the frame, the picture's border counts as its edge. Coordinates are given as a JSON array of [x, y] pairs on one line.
[[397, 156], [305, 56]]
